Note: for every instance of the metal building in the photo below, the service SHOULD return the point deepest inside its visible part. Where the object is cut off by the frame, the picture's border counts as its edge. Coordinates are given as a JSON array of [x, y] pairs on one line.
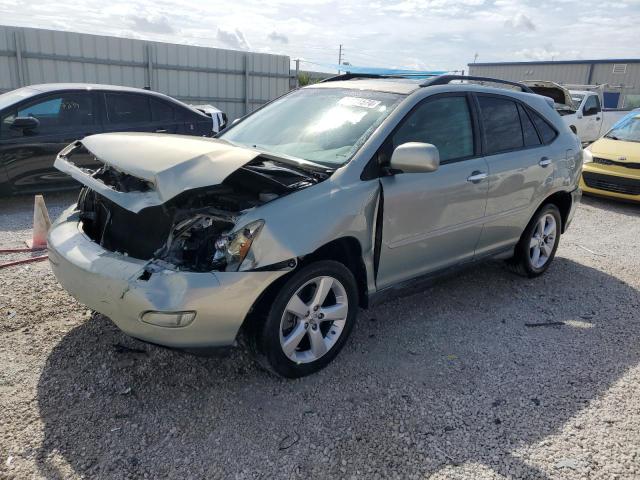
[[234, 81], [620, 77]]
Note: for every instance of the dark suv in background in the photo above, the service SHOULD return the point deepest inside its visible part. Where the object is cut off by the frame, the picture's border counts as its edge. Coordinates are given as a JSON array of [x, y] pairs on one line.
[[38, 121]]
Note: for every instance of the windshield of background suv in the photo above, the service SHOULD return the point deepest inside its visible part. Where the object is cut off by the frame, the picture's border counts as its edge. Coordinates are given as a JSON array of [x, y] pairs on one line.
[[322, 125], [627, 130]]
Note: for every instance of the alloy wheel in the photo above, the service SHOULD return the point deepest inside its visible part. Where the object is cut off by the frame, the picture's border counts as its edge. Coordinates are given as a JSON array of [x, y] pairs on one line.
[[543, 240], [313, 319]]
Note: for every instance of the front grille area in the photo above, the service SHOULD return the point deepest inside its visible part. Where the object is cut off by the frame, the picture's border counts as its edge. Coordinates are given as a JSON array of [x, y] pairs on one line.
[[610, 183], [606, 161], [138, 235]]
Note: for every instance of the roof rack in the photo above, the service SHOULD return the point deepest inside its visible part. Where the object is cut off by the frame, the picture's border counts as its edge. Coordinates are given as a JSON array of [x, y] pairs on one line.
[[434, 79], [445, 79], [350, 76]]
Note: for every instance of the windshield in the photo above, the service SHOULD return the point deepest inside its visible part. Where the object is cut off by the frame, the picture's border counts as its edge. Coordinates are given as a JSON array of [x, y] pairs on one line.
[[577, 99], [14, 96], [627, 130], [322, 125]]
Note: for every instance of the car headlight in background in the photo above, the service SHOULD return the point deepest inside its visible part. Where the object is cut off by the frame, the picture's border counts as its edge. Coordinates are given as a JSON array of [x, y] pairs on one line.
[[233, 249], [587, 157]]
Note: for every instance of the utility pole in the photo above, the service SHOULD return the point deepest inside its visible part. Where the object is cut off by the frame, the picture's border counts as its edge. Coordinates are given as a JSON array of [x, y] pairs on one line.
[[339, 58]]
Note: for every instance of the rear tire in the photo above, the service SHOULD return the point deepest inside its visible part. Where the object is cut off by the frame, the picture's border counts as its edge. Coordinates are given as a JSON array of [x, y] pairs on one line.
[[308, 321], [538, 244]]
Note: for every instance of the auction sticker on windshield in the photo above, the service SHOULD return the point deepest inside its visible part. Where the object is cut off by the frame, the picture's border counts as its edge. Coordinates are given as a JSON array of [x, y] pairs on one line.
[[358, 102]]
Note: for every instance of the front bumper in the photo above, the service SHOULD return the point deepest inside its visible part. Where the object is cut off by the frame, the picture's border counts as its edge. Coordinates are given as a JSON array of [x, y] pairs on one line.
[[611, 181], [110, 283]]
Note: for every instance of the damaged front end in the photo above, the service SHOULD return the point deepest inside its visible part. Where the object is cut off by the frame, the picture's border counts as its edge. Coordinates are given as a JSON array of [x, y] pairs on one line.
[[196, 230]]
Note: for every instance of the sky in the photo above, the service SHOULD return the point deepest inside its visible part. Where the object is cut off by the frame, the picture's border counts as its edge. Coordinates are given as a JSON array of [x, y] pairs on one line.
[[412, 34]]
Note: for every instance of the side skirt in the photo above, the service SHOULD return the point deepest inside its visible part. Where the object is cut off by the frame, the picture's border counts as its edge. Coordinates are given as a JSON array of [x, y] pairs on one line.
[[421, 283]]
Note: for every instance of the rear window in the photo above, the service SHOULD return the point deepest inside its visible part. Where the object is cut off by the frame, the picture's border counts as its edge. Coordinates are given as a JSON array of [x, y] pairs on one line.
[[127, 108], [161, 111], [501, 122]]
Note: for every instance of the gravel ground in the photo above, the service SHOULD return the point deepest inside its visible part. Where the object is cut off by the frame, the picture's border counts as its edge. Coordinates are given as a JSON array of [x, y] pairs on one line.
[[446, 383]]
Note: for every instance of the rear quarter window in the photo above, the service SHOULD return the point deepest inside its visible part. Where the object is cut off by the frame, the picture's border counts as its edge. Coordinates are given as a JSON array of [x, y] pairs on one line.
[[546, 131]]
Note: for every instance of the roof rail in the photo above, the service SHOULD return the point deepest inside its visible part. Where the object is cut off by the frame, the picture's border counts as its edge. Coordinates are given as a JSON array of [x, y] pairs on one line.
[[445, 79], [349, 76]]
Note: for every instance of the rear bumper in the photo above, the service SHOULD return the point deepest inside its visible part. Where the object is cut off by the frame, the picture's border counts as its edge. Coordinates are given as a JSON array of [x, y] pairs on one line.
[[110, 283], [576, 195]]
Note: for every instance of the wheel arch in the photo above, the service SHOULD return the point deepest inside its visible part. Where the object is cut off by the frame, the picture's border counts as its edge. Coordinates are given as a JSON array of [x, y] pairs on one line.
[[346, 250], [563, 201]]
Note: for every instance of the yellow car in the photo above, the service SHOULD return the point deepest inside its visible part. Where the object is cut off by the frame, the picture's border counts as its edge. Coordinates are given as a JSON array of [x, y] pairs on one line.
[[612, 166]]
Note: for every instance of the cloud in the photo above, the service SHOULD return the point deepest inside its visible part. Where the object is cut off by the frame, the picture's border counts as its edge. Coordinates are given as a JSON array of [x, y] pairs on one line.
[[278, 37], [150, 23], [539, 53], [521, 22], [234, 39], [431, 34]]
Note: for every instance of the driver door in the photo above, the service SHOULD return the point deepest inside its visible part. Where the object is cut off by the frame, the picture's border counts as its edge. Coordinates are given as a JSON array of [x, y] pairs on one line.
[[434, 220], [591, 118], [28, 155]]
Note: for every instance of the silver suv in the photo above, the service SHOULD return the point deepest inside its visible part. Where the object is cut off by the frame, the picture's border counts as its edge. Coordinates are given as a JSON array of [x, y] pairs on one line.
[[323, 201]]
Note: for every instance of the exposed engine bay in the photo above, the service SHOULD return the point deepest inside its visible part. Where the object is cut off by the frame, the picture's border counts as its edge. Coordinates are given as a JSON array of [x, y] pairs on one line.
[[195, 230]]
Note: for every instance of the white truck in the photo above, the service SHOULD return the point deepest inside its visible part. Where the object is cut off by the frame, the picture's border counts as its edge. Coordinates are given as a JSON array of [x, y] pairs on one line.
[[580, 109]]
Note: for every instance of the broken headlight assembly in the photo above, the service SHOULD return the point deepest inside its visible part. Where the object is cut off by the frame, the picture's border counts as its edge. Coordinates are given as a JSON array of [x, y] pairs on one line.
[[232, 249]]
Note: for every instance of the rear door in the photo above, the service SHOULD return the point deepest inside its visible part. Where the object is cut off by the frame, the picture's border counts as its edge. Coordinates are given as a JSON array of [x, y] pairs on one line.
[[433, 220], [28, 156], [163, 116], [521, 167]]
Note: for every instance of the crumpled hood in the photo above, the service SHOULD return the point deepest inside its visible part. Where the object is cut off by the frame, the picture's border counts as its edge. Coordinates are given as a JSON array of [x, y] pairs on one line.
[[171, 163], [559, 94]]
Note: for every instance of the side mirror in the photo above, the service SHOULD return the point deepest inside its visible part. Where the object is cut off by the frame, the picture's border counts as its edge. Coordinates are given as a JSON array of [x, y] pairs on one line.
[[415, 157], [25, 123]]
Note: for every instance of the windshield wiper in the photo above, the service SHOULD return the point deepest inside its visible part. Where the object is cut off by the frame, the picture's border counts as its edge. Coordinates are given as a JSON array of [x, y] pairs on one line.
[[612, 137]]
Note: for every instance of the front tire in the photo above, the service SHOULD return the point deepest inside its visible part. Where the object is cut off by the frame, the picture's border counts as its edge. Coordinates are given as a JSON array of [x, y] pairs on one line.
[[538, 244], [308, 322]]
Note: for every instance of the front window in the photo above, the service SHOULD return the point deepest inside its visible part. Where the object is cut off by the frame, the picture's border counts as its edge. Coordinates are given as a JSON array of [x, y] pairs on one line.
[[325, 126], [444, 122], [57, 113], [627, 130]]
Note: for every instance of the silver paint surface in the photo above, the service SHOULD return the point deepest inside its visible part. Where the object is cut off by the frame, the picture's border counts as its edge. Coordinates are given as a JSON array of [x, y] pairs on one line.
[[430, 221]]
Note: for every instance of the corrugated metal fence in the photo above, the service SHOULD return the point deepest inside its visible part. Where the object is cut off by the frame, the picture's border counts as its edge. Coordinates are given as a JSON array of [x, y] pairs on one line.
[[234, 81]]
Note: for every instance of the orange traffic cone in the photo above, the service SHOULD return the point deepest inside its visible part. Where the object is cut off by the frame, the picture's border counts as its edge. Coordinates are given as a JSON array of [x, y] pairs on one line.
[[41, 224]]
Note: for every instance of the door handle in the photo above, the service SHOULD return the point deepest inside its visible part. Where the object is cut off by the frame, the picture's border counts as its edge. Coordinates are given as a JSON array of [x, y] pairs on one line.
[[544, 162], [477, 177], [597, 118], [161, 130]]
